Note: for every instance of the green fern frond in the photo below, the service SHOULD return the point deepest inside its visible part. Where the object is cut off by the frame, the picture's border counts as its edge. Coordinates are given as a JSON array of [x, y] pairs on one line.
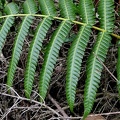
[[94, 69], [10, 9], [47, 7], [87, 11], [53, 48], [118, 62], [99, 51], [74, 60], [33, 54], [106, 15], [67, 9], [51, 55], [76, 52], [29, 8], [118, 68]]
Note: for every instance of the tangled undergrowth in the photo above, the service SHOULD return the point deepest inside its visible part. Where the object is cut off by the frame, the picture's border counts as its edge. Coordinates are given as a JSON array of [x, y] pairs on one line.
[[16, 107]]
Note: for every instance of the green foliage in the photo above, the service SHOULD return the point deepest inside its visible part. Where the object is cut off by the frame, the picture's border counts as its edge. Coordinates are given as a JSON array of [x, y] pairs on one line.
[[51, 56], [118, 63], [53, 47], [66, 13], [29, 8], [76, 52], [66, 9], [36, 44], [98, 54], [47, 7], [34, 54], [118, 68], [9, 9]]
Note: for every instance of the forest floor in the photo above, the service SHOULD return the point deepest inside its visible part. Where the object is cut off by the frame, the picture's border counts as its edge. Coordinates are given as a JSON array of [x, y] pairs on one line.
[[15, 106]]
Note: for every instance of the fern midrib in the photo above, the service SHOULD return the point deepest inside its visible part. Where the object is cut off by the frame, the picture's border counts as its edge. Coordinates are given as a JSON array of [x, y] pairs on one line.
[[85, 12], [105, 15], [66, 10], [49, 54], [32, 51], [4, 24], [72, 66], [2, 29], [10, 10], [28, 7], [16, 43], [94, 65], [46, 7]]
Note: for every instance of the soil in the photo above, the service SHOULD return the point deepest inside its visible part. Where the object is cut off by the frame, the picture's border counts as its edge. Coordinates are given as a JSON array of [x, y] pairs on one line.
[[14, 105]]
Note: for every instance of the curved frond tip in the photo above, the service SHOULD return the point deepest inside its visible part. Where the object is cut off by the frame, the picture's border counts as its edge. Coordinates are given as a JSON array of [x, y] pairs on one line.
[[94, 69], [74, 61], [51, 55], [10, 9], [118, 68], [67, 9], [77, 49], [33, 54], [29, 7], [47, 7], [98, 55]]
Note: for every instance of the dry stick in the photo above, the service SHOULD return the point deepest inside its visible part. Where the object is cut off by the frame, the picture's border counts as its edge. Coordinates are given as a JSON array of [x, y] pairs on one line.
[[22, 98], [105, 67], [9, 110], [58, 106], [110, 113]]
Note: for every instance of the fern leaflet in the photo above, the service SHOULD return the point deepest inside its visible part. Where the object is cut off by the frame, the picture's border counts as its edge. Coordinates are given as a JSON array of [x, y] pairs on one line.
[[10, 9], [54, 46], [76, 51], [74, 61], [33, 54], [94, 69], [67, 9], [47, 7], [29, 8], [99, 51], [51, 55], [118, 68]]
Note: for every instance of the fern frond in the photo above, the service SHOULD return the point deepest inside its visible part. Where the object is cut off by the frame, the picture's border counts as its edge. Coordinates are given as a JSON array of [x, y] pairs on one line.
[[106, 16], [94, 69], [99, 51], [87, 11], [29, 8], [33, 54], [67, 9], [47, 7], [118, 68], [10, 8], [74, 60], [54, 46], [51, 55], [76, 52]]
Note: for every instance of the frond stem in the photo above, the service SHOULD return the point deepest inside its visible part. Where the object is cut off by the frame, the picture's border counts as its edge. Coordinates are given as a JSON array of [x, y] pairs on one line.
[[59, 18]]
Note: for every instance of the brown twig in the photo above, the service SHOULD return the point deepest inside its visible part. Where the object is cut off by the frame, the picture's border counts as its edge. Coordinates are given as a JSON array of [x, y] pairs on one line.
[[26, 99], [105, 67], [58, 107]]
